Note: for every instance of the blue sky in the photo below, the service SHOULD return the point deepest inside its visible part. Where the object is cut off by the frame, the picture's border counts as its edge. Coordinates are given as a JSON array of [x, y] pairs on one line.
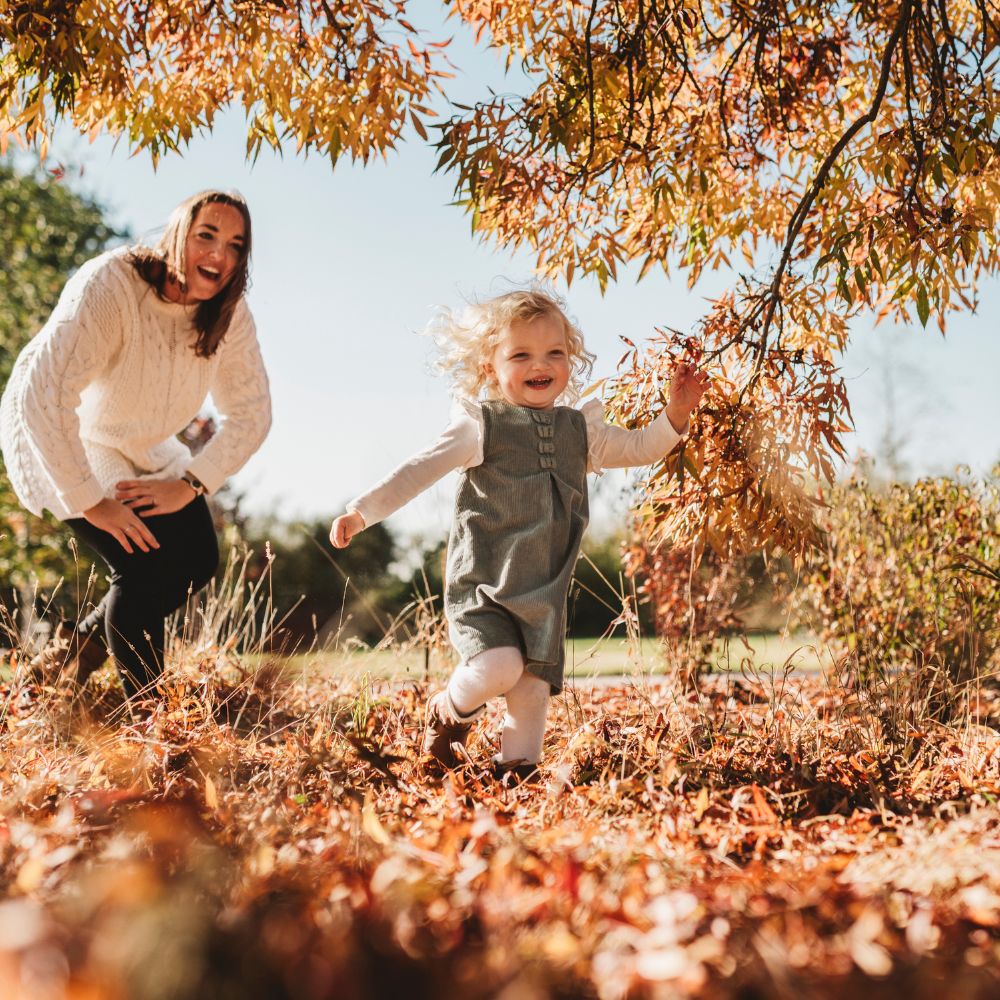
[[350, 263]]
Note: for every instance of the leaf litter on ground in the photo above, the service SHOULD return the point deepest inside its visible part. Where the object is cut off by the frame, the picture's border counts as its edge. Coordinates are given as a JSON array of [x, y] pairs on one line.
[[263, 836]]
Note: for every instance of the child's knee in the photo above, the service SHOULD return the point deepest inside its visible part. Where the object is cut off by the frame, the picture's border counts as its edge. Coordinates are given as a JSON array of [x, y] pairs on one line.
[[503, 666]]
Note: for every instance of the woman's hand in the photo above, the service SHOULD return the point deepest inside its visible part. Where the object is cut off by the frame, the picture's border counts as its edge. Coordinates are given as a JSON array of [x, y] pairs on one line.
[[116, 519], [345, 528], [151, 497], [687, 386]]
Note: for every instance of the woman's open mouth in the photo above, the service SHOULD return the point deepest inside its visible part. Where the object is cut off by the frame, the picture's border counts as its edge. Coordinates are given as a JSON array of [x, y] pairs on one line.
[[209, 273], [538, 383]]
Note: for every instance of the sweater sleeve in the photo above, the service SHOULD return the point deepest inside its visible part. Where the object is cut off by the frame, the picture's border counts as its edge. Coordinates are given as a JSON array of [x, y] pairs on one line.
[[241, 394], [460, 446], [82, 336], [612, 447]]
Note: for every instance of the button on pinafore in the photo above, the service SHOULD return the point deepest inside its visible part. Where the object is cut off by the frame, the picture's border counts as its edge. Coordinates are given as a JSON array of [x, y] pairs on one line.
[[519, 521]]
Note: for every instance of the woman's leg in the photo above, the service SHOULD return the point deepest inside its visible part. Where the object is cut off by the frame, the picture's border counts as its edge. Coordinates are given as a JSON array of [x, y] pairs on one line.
[[185, 562], [129, 612], [191, 552], [148, 586]]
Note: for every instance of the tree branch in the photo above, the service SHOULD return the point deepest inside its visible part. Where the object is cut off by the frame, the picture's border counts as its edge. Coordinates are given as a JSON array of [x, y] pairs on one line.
[[808, 199]]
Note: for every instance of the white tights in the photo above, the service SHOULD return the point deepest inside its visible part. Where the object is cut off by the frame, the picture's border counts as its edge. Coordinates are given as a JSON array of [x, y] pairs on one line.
[[501, 671]]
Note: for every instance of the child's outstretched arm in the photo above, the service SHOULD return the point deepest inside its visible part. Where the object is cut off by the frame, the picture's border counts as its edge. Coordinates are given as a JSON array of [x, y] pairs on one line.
[[345, 528], [614, 447], [687, 386], [458, 447]]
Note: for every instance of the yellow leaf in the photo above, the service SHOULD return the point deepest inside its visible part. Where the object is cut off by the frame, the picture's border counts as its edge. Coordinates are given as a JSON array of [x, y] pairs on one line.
[[561, 946], [211, 796], [263, 861], [29, 876], [370, 823], [700, 804]]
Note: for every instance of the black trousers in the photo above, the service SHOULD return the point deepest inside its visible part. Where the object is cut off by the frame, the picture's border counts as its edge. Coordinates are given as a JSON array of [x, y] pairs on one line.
[[148, 586]]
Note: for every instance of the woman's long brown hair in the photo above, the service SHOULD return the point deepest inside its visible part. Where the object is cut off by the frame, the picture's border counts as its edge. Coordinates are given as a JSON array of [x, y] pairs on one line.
[[165, 263]]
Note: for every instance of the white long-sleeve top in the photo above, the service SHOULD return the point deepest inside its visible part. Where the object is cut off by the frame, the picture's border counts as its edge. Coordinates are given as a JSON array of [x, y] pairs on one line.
[[460, 447], [99, 394]]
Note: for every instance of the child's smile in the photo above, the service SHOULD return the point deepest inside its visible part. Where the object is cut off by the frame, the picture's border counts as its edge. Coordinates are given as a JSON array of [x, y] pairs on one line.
[[531, 365]]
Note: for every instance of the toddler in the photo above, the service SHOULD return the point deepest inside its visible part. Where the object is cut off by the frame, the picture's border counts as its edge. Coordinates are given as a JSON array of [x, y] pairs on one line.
[[520, 509]]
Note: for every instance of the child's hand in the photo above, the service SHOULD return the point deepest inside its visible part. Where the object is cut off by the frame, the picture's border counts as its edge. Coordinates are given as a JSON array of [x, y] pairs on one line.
[[687, 386], [345, 528]]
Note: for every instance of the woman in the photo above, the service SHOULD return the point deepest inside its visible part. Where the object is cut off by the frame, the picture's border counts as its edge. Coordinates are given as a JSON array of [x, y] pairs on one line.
[[89, 419]]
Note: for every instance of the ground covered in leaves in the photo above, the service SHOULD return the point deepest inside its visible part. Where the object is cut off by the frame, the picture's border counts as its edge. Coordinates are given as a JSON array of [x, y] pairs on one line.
[[267, 838]]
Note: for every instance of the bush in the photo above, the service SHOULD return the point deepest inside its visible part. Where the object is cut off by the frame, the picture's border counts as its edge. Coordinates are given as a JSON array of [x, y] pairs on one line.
[[907, 577], [694, 600], [317, 593]]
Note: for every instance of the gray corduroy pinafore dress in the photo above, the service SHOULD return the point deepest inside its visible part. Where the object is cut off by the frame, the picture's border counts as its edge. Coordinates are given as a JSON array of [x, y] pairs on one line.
[[519, 521]]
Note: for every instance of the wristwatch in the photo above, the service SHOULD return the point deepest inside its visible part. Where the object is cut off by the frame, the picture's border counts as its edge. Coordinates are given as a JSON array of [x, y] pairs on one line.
[[200, 489]]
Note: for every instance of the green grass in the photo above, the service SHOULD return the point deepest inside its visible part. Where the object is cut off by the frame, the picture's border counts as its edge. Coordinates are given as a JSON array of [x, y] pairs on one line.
[[585, 658]]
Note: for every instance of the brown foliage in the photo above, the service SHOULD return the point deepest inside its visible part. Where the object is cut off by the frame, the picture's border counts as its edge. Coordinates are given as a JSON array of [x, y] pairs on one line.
[[334, 78], [694, 600], [282, 838], [747, 475]]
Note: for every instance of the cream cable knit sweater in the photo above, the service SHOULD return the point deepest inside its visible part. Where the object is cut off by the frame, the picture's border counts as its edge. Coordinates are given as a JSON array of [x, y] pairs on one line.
[[98, 395]]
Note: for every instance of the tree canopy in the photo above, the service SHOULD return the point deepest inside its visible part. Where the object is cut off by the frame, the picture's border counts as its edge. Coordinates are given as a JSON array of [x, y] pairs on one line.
[[843, 155], [330, 77]]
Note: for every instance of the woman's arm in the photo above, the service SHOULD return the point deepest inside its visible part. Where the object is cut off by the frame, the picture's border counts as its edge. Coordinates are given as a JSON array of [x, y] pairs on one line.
[[458, 447], [241, 394], [74, 347]]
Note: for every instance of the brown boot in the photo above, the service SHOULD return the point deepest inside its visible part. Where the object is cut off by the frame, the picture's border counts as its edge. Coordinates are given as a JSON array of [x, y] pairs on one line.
[[68, 654], [446, 730], [514, 772]]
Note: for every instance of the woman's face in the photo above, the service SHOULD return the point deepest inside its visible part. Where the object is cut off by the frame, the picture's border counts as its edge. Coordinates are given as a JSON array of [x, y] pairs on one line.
[[531, 363], [212, 251]]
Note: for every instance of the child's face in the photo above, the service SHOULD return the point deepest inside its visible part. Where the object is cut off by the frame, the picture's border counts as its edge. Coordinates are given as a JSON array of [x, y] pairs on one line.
[[531, 363]]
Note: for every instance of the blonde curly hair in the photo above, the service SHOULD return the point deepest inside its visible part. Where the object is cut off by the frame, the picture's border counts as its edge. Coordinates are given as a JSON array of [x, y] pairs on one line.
[[466, 341]]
